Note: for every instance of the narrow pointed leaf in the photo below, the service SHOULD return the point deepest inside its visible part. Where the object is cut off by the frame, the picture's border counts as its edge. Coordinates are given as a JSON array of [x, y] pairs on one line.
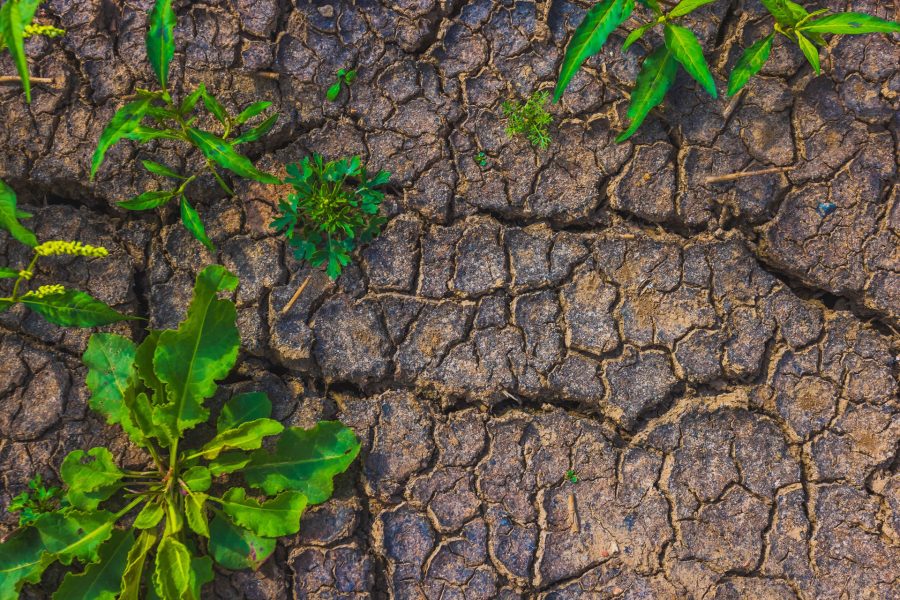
[[223, 154], [158, 169], [251, 111], [134, 566], [272, 518], [100, 580], [850, 23], [683, 44], [786, 13], [750, 64], [687, 6], [246, 436], [7, 273], [190, 218], [147, 200], [636, 35], [161, 39], [73, 308], [654, 80], [125, 122], [12, 30], [10, 215], [215, 107], [809, 51], [234, 547], [242, 408], [251, 135]]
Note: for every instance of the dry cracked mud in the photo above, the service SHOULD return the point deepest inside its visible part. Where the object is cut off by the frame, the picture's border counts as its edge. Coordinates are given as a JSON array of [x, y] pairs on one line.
[[718, 363]]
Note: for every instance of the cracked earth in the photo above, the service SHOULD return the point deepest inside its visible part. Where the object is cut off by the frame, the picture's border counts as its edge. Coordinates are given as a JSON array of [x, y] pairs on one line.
[[718, 363]]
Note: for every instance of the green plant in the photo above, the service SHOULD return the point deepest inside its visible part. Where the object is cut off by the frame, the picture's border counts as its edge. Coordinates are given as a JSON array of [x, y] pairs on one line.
[[175, 121], [345, 77], [572, 476], [156, 391], [333, 210], [681, 46], [40, 500], [55, 303], [530, 119], [482, 159], [16, 26]]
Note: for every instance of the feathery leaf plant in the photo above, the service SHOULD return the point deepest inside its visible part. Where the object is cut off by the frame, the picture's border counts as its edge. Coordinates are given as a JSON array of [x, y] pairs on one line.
[[530, 119]]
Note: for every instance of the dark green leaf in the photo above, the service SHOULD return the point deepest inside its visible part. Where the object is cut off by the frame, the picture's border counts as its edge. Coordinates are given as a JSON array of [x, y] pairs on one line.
[[23, 559], [12, 29], [10, 215], [251, 111], [144, 134], [190, 218], [809, 51], [158, 169], [750, 63], [161, 39], [273, 518], [687, 6], [236, 548], [656, 77], [111, 377], [190, 101], [220, 152], [148, 200], [242, 408], [100, 580], [850, 23], [125, 122], [73, 308], [134, 566], [251, 135], [653, 5], [683, 44]]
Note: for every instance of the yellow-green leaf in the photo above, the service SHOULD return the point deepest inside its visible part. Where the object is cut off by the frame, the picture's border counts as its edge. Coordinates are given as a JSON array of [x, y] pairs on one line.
[[246, 436], [809, 51], [134, 568], [23, 558], [172, 575], [195, 512], [73, 308], [272, 518], [100, 580]]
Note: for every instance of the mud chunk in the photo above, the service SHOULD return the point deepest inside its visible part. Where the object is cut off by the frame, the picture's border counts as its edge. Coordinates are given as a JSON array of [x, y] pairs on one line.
[[639, 381], [350, 341]]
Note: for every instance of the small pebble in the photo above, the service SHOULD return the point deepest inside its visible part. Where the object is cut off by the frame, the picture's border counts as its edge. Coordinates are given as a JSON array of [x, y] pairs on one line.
[[326, 11]]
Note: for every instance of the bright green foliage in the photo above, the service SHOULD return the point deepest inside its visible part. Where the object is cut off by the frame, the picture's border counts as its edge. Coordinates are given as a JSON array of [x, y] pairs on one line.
[[157, 391], [55, 303], [572, 476], [681, 46], [175, 121], [31, 504], [345, 77], [15, 26], [530, 119], [333, 210]]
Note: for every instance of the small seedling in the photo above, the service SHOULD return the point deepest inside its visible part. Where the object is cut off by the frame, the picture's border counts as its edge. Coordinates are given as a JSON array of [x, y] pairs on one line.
[[175, 121], [54, 302], [333, 210], [174, 510], [40, 500], [16, 26], [530, 119], [825, 208], [481, 159], [572, 476], [681, 46], [345, 77]]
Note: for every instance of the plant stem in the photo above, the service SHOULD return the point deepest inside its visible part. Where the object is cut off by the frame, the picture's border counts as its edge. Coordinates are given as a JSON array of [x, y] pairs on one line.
[[296, 295], [30, 269], [742, 174], [17, 79]]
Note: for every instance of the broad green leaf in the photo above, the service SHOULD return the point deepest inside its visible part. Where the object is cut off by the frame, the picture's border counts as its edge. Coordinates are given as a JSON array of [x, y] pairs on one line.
[[100, 580], [687, 6], [749, 64], [272, 518], [195, 512], [143, 362], [190, 218], [89, 501], [161, 39], [809, 51], [305, 460], [228, 462], [90, 472], [197, 478], [10, 215], [246, 436], [147, 200], [7, 273], [850, 23], [23, 559], [242, 408], [334, 91], [158, 169], [73, 308], [134, 566], [75, 534], [202, 567], [150, 516], [251, 135], [654, 80], [223, 154], [201, 351], [636, 35], [236, 548], [589, 38], [683, 44], [786, 13], [125, 122], [12, 29], [111, 377], [251, 111], [172, 575]]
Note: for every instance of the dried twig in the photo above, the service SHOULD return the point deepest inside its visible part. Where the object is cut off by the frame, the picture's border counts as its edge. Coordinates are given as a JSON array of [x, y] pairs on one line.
[[296, 295], [17, 79], [267, 74], [742, 174]]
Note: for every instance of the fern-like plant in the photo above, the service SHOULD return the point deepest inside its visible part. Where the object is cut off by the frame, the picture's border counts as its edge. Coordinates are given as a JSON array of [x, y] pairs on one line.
[[530, 119]]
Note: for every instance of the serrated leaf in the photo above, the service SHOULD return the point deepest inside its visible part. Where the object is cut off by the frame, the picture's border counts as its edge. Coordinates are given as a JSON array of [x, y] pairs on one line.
[[201, 351], [190, 218], [654, 80], [90, 472], [161, 39], [809, 51], [636, 35], [197, 478], [73, 308], [158, 169], [75, 534], [10, 215], [272, 518], [236, 548], [228, 462], [850, 23], [251, 111], [686, 6], [246, 436], [100, 580], [111, 377], [215, 107], [251, 135], [172, 575], [195, 512], [12, 30], [242, 408], [147, 200], [134, 566], [686, 49], [589, 38], [23, 559], [305, 460], [125, 122], [149, 516], [750, 63], [223, 154]]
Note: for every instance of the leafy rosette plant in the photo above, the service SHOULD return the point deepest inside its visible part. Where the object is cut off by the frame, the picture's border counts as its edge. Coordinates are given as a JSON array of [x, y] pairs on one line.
[[54, 302], [682, 48], [177, 516], [333, 210], [177, 121], [530, 119], [16, 26]]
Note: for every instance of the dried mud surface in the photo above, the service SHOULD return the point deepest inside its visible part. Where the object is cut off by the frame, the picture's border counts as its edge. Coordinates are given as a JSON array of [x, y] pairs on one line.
[[717, 363]]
